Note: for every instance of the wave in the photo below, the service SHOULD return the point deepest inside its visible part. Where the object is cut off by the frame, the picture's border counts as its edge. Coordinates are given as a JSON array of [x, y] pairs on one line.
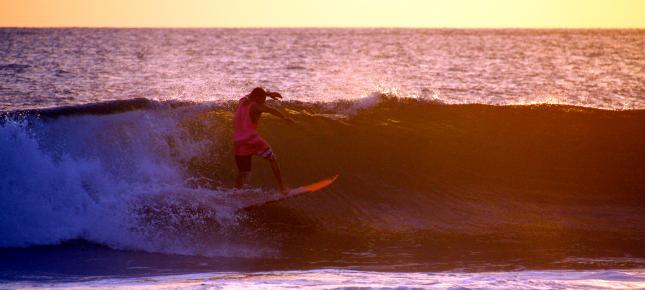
[[156, 176]]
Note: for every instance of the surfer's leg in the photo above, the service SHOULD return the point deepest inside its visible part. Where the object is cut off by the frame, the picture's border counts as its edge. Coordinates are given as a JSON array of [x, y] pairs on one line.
[[244, 168], [241, 179], [270, 156], [278, 174]]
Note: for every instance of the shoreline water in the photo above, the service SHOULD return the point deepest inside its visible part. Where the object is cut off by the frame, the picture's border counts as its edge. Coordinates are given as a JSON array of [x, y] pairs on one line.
[[340, 278]]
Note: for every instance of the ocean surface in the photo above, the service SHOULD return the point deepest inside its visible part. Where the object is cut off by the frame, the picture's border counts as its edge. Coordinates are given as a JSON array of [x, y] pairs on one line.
[[497, 159]]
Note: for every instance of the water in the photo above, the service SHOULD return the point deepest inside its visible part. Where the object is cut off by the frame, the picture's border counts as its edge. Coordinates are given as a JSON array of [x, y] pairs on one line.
[[347, 279], [467, 158], [52, 67]]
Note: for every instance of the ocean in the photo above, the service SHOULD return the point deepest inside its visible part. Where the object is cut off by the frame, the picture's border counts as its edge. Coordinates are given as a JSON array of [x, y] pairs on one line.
[[499, 159]]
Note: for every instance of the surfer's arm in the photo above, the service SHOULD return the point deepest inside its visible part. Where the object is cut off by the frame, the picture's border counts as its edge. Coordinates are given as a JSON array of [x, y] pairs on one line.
[[266, 109]]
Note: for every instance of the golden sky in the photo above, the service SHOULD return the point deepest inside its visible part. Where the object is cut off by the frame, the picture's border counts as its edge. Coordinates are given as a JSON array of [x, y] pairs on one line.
[[324, 13]]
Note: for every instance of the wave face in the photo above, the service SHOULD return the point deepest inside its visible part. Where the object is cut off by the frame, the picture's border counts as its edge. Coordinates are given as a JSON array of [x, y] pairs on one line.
[[417, 179]]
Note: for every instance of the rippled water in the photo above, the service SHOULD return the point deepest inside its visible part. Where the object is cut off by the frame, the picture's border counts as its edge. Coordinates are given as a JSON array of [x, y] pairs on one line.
[[52, 67]]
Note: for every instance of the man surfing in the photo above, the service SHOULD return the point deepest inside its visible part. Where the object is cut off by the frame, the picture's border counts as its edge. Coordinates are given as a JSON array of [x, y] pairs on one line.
[[246, 140]]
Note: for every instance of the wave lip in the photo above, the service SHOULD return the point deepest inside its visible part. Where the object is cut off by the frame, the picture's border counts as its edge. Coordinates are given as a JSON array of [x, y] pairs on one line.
[[100, 108]]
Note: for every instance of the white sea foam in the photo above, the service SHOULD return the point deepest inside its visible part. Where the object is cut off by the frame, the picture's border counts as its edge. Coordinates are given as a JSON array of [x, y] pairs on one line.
[[99, 178], [348, 279]]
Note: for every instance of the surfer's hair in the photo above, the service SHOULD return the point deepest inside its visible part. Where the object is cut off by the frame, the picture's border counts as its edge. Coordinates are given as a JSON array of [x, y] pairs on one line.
[[258, 95]]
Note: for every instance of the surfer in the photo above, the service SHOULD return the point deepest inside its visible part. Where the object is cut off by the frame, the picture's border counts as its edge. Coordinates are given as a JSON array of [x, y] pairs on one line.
[[247, 141]]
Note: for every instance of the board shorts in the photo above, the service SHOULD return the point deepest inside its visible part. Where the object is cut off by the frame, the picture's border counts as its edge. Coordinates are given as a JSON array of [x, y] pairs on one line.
[[244, 161]]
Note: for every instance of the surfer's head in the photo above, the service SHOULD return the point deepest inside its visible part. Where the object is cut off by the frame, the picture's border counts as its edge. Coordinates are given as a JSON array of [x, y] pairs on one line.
[[258, 95]]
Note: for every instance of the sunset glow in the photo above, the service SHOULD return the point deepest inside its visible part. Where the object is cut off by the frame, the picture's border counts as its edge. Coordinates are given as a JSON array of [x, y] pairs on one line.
[[331, 13]]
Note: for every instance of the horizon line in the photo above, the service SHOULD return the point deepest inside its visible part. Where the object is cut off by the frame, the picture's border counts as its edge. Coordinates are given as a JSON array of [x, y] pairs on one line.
[[321, 27]]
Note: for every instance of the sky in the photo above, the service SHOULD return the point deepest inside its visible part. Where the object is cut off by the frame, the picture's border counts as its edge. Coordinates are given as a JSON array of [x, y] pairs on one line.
[[325, 13]]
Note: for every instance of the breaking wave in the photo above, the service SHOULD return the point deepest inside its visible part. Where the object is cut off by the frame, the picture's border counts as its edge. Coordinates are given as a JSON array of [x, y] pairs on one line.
[[156, 176]]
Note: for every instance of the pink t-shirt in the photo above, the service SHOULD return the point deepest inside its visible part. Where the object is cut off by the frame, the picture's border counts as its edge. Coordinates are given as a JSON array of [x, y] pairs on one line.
[[246, 139]]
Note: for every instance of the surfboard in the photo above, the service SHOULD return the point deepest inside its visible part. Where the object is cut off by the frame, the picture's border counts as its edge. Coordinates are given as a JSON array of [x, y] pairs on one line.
[[318, 185]]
